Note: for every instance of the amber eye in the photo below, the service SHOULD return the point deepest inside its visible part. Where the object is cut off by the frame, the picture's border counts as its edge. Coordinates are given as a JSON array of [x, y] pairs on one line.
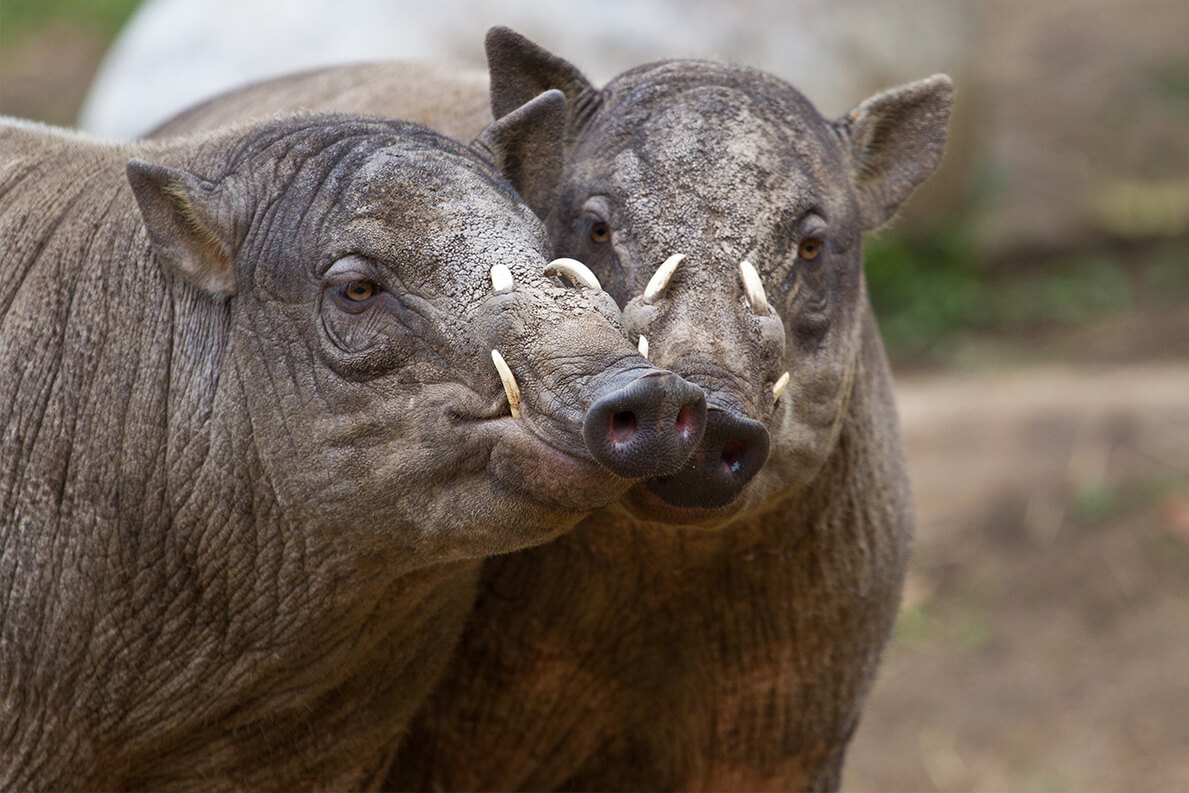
[[359, 291], [810, 249], [600, 232]]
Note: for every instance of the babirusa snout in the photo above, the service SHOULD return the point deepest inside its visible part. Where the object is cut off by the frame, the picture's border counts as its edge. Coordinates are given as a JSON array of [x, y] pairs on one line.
[[732, 451], [647, 428]]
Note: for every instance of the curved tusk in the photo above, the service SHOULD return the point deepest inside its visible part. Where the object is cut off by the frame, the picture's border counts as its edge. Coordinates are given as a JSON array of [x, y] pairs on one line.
[[501, 279], [510, 387], [660, 279], [643, 346], [577, 272], [753, 288], [779, 385]]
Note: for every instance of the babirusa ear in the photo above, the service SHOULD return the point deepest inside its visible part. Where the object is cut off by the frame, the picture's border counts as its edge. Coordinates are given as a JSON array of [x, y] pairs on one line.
[[187, 230], [526, 145], [896, 140], [521, 70]]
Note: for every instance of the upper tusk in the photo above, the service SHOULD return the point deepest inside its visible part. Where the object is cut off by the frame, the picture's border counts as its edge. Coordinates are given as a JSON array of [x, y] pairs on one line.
[[753, 288], [643, 346], [779, 385], [510, 387], [577, 272], [501, 279], [660, 279]]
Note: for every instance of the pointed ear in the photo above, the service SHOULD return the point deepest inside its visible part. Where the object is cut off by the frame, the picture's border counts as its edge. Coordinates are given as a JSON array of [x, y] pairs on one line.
[[185, 225], [896, 140], [526, 146], [521, 70]]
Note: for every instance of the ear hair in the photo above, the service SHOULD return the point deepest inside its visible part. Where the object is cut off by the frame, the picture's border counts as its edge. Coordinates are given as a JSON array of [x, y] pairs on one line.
[[181, 216]]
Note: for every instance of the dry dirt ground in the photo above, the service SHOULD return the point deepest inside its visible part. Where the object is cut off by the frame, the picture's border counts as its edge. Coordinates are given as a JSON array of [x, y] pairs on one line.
[[1044, 639]]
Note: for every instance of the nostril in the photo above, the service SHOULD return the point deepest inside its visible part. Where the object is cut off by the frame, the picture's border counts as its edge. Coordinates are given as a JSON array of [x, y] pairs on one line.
[[733, 453], [623, 426], [647, 428], [687, 421]]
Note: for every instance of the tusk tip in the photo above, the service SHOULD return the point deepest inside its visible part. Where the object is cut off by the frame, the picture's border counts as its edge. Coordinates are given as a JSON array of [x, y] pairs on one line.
[[753, 287], [575, 271], [660, 279], [643, 346], [779, 386], [501, 279], [511, 389]]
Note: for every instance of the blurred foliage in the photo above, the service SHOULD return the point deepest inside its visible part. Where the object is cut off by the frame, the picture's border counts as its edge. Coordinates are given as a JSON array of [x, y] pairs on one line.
[[926, 287], [21, 17], [1096, 506], [933, 292], [1170, 80]]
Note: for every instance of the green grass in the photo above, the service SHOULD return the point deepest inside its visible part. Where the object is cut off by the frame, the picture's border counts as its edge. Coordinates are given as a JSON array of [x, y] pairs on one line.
[[19, 18], [936, 295], [1098, 505]]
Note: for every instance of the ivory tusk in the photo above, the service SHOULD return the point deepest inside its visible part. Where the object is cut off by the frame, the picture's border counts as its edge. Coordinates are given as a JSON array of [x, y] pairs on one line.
[[778, 386], [575, 271], [643, 346], [501, 279], [660, 279], [753, 288], [510, 387]]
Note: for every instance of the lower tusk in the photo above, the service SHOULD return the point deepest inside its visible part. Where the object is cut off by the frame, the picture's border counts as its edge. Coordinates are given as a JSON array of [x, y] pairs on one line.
[[510, 387], [643, 346], [753, 287], [575, 271], [501, 279], [778, 387], [660, 279]]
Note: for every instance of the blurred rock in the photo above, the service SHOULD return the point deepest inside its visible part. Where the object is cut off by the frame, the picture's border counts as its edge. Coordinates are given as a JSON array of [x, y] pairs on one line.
[[175, 52]]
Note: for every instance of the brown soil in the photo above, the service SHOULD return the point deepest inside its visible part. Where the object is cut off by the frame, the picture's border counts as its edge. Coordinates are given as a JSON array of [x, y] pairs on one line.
[[1044, 640]]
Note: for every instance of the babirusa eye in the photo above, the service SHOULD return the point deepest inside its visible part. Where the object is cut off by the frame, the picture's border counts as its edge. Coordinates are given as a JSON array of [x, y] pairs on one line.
[[810, 248], [359, 291], [600, 232]]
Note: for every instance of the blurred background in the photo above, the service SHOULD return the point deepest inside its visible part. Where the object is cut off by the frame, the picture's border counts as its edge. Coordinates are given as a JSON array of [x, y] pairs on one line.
[[1034, 297]]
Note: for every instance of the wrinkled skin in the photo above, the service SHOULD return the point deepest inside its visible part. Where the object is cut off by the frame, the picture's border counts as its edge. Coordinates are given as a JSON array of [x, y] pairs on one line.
[[252, 445], [719, 646]]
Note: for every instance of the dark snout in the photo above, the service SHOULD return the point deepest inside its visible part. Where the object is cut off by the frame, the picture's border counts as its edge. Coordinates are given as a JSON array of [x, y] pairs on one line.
[[732, 451], [647, 428]]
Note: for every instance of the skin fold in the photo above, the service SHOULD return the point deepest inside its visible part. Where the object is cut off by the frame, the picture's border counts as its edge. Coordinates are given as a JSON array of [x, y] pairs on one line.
[[677, 640]]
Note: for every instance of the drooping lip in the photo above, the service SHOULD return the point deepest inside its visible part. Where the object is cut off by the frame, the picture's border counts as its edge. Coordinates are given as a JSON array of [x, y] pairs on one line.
[[646, 505], [522, 460]]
